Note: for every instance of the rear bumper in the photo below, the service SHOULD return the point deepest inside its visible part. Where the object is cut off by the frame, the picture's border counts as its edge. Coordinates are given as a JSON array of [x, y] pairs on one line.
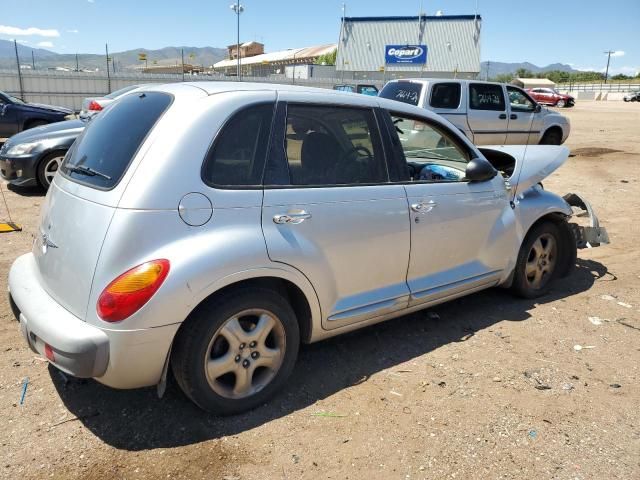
[[78, 348], [19, 171], [117, 358]]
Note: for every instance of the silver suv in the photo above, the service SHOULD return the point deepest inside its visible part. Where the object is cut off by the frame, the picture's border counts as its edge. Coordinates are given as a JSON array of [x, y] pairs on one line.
[[487, 113], [210, 228]]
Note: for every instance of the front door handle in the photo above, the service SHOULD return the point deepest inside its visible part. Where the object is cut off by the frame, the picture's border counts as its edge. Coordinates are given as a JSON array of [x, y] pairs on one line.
[[513, 116], [423, 207], [292, 218], [503, 116]]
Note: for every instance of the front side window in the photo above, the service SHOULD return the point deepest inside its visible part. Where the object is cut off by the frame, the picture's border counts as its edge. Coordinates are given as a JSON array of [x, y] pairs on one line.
[[484, 96], [402, 91], [333, 146], [238, 154], [445, 95], [432, 154], [101, 155], [519, 101]]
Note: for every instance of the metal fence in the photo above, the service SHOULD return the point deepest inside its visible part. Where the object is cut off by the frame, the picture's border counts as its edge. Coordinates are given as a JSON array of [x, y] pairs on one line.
[[599, 87], [68, 89]]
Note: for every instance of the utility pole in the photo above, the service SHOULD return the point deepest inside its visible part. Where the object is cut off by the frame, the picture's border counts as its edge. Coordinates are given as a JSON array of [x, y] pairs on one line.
[[238, 9], [33, 61], [182, 54], [486, 75], [106, 49], [341, 39], [606, 75], [77, 66], [15, 45]]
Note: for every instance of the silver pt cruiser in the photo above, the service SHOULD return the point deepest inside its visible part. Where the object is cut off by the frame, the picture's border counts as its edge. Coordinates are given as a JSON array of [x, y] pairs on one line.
[[210, 228]]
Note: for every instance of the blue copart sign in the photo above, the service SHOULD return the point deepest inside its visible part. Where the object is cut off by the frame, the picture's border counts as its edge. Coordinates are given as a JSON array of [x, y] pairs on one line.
[[414, 54]]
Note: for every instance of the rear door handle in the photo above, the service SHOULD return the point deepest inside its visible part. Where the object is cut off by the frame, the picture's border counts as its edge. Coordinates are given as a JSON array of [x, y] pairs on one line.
[[423, 207], [513, 116], [291, 218], [503, 116]]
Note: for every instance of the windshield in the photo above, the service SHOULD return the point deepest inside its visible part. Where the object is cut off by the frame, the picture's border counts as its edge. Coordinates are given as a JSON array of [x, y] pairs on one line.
[[14, 99], [103, 152]]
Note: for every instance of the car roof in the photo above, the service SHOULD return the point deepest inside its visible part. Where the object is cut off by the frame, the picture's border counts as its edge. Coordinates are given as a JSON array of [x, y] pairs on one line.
[[459, 80]]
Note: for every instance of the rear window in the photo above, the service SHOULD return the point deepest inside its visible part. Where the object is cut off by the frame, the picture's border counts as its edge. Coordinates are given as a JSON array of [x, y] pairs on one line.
[[102, 154], [445, 95], [406, 92]]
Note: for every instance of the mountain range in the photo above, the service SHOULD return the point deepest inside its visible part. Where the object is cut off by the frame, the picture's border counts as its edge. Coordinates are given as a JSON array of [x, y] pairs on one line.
[[123, 60], [193, 55]]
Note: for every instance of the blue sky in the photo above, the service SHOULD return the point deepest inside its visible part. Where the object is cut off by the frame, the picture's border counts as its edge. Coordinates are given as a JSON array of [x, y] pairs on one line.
[[542, 32]]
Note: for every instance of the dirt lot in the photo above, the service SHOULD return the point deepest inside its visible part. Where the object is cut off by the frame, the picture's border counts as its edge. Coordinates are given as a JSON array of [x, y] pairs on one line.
[[492, 387]]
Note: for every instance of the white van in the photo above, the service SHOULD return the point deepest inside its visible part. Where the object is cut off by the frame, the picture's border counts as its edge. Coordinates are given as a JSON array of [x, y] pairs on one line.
[[481, 110]]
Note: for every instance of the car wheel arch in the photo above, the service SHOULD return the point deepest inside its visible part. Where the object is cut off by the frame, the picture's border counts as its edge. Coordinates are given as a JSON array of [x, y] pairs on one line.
[[553, 128], [46, 155], [291, 285]]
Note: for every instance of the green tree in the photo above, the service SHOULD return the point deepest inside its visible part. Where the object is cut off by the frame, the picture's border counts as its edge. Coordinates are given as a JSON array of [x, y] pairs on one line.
[[524, 73], [621, 76], [502, 78], [327, 58]]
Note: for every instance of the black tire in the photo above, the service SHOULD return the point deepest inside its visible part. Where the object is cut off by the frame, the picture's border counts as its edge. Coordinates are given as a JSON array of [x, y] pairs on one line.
[[197, 339], [524, 284], [552, 136], [44, 170], [561, 103]]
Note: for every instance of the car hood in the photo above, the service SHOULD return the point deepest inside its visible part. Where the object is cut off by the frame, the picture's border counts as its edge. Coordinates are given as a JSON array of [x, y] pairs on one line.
[[47, 108], [533, 163], [53, 130]]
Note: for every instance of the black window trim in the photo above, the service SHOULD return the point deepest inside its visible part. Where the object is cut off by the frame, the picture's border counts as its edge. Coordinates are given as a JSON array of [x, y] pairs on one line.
[[281, 156], [216, 138], [521, 90], [434, 84], [400, 159], [501, 87], [135, 154]]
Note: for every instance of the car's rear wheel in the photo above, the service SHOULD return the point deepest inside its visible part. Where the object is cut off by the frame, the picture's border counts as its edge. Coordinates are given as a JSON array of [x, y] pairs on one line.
[[539, 261], [561, 103], [48, 167], [236, 351], [552, 136]]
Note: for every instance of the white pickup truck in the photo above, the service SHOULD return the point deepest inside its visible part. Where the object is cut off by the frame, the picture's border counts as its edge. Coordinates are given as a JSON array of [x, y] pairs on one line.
[[487, 113]]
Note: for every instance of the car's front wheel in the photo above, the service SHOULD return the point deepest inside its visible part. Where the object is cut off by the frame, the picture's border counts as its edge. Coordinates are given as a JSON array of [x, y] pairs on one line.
[[539, 261], [237, 350], [561, 103], [48, 167]]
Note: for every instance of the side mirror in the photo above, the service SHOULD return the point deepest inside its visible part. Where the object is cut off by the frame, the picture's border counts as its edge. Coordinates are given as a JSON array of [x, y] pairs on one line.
[[479, 170], [538, 108]]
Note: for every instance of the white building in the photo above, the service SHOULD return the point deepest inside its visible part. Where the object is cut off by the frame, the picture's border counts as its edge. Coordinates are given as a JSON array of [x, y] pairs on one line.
[[391, 47]]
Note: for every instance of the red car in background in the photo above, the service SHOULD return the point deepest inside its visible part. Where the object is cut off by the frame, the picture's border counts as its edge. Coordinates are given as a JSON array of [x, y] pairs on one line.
[[550, 96]]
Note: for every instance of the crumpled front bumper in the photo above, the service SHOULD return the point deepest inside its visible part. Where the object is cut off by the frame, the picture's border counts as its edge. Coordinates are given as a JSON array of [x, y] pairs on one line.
[[587, 236]]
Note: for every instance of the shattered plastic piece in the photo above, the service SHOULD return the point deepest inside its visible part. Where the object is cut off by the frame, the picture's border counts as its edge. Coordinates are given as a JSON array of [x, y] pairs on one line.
[[25, 383], [577, 348], [607, 297], [595, 320], [625, 305]]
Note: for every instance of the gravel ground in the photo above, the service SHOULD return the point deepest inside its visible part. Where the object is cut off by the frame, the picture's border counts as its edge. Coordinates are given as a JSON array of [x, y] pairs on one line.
[[484, 387]]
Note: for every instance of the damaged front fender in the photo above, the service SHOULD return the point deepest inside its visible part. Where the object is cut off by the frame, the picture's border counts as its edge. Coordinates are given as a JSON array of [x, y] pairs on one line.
[[587, 236]]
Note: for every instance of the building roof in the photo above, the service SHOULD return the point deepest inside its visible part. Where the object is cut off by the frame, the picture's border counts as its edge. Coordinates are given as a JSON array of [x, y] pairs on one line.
[[452, 41], [280, 56]]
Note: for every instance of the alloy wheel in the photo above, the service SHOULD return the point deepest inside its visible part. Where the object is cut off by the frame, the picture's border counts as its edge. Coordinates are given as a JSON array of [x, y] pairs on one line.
[[541, 261], [51, 167], [245, 354]]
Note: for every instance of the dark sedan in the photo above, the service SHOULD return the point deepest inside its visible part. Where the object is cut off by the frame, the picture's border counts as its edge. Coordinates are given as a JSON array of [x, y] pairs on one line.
[[32, 157], [16, 115]]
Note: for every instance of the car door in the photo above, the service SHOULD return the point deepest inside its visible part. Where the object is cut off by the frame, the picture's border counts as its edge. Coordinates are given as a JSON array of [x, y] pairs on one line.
[[8, 118], [487, 113], [524, 124], [330, 211], [460, 230]]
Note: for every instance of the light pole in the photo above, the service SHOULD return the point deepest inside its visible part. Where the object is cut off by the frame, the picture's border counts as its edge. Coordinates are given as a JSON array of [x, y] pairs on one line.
[[606, 74], [238, 9]]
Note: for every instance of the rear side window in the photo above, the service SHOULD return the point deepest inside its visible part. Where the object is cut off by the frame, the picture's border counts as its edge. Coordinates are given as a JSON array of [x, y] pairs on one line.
[[102, 154], [484, 96], [445, 95], [406, 92], [238, 154]]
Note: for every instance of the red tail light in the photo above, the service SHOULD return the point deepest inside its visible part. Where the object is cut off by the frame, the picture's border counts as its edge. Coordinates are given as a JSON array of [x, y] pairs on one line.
[[95, 106], [131, 290]]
